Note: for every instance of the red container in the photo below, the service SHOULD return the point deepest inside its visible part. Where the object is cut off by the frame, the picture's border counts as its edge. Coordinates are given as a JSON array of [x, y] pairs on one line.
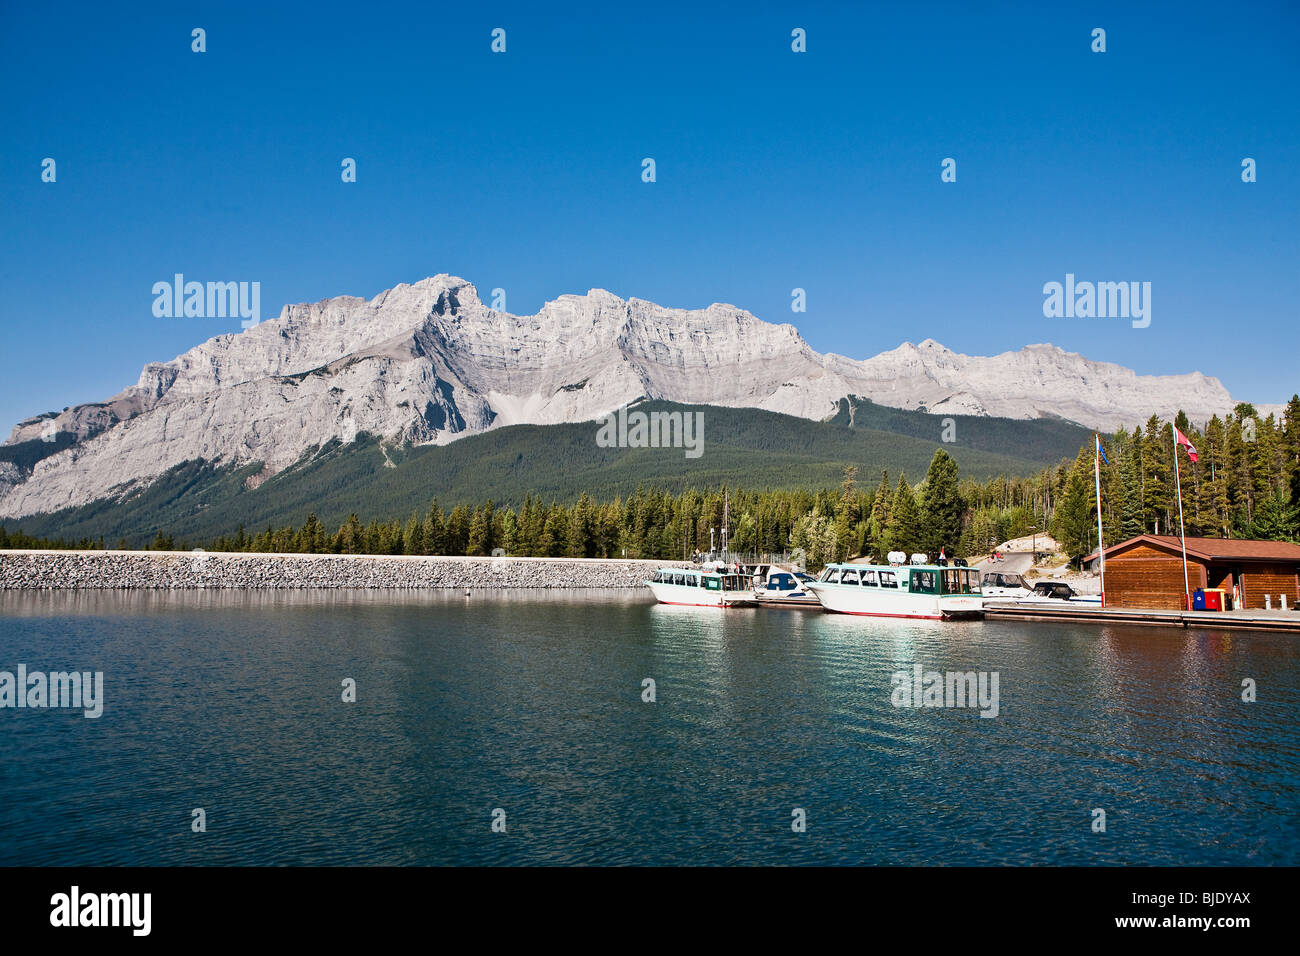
[[1214, 599]]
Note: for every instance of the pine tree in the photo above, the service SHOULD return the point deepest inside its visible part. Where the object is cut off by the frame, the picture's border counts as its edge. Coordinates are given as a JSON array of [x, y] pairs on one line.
[[1074, 522], [902, 531], [1276, 519], [1131, 499], [1289, 447], [941, 509], [1157, 475], [457, 533]]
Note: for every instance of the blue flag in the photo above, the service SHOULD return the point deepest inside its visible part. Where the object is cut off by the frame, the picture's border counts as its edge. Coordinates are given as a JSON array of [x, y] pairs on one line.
[[1101, 451]]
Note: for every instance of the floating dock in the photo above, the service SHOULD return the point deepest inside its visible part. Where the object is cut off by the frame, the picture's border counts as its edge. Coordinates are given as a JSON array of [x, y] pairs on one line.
[[1254, 620]]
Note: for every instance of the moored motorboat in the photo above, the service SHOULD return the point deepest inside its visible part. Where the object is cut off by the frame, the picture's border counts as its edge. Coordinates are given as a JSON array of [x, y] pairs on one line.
[[928, 591], [782, 588], [702, 587], [1003, 587]]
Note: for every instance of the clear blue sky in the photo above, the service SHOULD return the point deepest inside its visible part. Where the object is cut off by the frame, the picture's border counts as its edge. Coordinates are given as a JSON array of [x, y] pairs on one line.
[[775, 170]]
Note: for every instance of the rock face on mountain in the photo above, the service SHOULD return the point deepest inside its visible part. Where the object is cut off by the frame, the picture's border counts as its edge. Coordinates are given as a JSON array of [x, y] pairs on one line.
[[429, 362]]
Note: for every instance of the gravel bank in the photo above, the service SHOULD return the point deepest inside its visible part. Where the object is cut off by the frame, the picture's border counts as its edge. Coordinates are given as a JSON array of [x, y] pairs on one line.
[[170, 570]]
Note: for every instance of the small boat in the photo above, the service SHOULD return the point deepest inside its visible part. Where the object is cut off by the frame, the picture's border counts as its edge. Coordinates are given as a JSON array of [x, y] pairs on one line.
[[782, 588], [702, 587], [929, 591], [1004, 587], [997, 586]]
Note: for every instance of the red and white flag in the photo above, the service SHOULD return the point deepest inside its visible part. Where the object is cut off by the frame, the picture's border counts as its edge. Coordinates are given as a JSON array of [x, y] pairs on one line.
[[1181, 439]]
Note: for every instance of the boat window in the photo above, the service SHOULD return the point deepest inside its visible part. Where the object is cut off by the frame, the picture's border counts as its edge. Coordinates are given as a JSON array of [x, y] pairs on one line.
[[850, 576], [972, 581], [782, 582], [868, 579], [925, 582], [888, 579], [712, 584], [832, 576]]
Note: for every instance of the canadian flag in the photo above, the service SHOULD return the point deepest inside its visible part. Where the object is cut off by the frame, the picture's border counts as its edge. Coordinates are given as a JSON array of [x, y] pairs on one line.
[[1181, 439]]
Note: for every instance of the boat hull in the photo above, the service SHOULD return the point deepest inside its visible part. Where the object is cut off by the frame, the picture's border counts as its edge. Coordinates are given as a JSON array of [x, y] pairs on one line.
[[687, 596], [877, 602]]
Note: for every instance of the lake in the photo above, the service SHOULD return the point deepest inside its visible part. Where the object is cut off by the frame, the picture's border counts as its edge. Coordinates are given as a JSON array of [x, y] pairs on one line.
[[773, 737]]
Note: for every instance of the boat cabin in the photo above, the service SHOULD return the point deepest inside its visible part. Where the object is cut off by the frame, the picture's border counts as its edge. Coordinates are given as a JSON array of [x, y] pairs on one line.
[[708, 580], [928, 579]]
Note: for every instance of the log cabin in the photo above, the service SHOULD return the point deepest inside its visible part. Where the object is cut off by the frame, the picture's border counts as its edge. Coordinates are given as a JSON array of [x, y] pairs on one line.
[[1147, 571]]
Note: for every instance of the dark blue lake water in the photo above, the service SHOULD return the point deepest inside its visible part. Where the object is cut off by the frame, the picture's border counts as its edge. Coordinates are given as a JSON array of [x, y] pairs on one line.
[[531, 703]]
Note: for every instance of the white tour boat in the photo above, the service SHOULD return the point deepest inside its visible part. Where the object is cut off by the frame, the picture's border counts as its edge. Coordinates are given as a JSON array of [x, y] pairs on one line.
[[930, 591], [702, 587]]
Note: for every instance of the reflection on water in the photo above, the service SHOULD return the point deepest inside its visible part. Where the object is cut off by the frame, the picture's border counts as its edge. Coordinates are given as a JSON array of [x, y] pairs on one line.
[[531, 701]]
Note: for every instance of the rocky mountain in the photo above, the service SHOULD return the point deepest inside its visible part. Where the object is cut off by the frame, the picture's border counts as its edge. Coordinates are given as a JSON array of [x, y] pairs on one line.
[[428, 363]]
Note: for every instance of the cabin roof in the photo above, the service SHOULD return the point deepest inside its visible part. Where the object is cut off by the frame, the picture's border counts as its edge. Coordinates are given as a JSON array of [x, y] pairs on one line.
[[1211, 549]]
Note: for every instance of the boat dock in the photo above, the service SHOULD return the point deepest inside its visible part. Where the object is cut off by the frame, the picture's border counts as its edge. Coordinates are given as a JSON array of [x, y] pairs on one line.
[[1255, 620]]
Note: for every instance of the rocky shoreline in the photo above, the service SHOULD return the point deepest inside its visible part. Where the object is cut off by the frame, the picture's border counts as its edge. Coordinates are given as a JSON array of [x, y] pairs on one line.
[[184, 570]]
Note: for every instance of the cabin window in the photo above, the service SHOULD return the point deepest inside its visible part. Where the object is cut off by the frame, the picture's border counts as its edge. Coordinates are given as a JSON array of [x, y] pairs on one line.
[[832, 576], [849, 576], [888, 579], [868, 579], [712, 584], [926, 582]]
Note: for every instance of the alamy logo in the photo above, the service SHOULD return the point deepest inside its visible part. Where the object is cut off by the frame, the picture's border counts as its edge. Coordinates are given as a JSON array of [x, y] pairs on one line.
[[213, 300], [83, 691], [1102, 300], [922, 688], [75, 908], [637, 429]]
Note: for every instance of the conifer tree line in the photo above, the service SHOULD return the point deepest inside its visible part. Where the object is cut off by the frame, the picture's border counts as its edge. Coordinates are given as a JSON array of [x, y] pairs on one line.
[[1245, 484]]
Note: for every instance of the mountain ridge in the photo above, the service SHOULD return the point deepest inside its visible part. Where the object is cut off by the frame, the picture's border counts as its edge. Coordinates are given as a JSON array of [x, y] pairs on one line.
[[428, 363], [747, 448]]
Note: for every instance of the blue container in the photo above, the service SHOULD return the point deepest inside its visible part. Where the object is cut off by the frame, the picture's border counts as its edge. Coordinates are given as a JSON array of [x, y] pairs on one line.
[[1198, 599]]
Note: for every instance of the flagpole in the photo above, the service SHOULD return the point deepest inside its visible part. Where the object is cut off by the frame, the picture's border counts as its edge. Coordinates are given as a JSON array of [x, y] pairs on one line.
[[1101, 547], [1182, 537]]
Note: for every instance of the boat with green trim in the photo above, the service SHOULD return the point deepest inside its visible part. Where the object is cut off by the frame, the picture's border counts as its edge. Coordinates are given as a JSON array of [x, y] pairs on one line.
[[930, 591]]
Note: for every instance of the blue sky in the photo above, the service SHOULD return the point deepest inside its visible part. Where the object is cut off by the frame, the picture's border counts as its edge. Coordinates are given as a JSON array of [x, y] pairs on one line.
[[775, 170]]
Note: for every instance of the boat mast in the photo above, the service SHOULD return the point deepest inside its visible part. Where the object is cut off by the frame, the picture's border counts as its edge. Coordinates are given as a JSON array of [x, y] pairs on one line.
[[726, 514]]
